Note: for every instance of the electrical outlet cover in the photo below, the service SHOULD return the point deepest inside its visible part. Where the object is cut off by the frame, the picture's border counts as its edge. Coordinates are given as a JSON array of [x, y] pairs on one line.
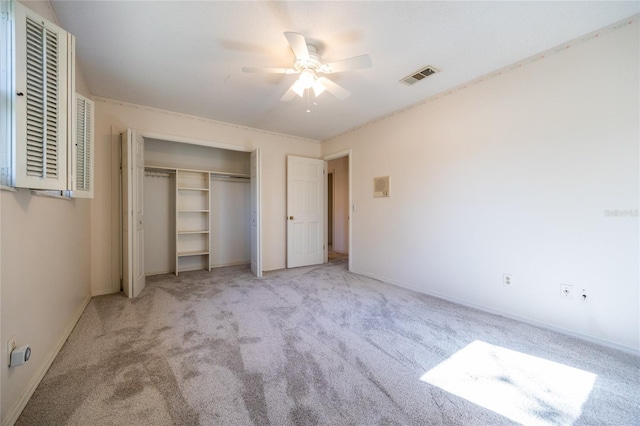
[[507, 279]]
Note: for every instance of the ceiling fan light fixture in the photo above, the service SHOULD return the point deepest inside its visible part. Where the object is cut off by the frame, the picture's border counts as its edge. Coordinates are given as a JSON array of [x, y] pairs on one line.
[[308, 64], [298, 88], [318, 88], [307, 78]]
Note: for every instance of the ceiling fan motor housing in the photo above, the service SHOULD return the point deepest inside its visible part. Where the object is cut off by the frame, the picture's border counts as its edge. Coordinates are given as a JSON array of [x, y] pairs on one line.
[[312, 63]]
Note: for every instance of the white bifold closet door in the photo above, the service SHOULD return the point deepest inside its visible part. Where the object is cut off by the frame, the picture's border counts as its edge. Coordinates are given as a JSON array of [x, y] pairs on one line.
[[133, 275]]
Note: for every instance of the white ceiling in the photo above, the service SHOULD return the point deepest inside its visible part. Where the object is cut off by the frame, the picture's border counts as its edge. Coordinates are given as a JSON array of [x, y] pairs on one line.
[[187, 56]]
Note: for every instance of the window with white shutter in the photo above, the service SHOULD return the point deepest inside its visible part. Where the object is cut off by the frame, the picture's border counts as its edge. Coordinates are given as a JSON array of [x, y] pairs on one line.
[[44, 86], [82, 157]]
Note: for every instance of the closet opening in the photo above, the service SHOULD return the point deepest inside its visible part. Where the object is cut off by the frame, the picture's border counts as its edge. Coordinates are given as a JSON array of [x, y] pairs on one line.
[[187, 205], [197, 207]]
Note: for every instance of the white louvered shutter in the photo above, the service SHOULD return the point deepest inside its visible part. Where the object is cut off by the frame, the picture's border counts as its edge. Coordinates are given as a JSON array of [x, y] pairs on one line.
[[82, 158], [44, 66]]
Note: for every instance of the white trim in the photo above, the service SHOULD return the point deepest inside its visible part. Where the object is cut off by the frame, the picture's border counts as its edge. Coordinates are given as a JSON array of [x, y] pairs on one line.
[[338, 154], [224, 265], [530, 321], [17, 408], [105, 292]]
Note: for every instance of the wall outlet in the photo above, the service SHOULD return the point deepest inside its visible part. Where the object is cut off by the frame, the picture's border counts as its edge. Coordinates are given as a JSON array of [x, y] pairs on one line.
[[566, 291], [507, 279], [11, 345]]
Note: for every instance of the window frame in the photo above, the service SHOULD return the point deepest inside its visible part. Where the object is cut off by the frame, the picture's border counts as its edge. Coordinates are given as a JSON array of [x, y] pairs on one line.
[[7, 91]]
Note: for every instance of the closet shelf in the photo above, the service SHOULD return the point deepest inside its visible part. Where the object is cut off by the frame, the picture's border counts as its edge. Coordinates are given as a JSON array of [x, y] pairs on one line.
[[192, 216]]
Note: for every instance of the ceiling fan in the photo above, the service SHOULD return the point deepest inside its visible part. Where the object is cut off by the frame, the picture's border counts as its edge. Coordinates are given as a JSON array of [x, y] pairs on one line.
[[309, 64]]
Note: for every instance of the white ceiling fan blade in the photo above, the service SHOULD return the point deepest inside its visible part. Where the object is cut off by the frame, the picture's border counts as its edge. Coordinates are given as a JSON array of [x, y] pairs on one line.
[[298, 45], [269, 70], [289, 94], [335, 89], [357, 62]]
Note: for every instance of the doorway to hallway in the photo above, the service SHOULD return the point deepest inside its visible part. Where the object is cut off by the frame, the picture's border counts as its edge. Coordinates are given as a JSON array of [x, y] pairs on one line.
[[338, 211]]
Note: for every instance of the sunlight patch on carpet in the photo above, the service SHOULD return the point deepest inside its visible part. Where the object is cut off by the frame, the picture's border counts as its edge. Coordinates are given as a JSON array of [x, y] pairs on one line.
[[521, 387]]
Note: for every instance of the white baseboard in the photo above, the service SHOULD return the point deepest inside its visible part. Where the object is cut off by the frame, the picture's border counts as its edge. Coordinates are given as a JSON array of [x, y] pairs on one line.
[[17, 408], [197, 268], [547, 326], [341, 251], [244, 262], [103, 292]]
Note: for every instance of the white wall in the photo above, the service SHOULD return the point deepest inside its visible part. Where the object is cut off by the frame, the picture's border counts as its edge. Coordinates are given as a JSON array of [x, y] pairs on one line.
[[159, 224], [46, 264], [195, 157], [514, 174], [230, 222], [113, 116], [340, 168]]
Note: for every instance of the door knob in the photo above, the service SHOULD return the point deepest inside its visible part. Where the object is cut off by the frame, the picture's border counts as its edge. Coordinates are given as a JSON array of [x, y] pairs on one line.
[[290, 217]]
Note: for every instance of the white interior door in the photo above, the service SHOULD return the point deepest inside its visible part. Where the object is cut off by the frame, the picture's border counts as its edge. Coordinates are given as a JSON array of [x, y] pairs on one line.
[[305, 211], [133, 213], [256, 235]]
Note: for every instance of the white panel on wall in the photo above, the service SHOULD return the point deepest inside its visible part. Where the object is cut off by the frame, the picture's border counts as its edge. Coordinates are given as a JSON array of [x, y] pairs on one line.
[[230, 222], [159, 202]]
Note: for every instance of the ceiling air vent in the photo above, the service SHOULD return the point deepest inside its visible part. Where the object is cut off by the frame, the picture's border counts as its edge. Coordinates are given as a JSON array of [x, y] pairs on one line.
[[418, 75]]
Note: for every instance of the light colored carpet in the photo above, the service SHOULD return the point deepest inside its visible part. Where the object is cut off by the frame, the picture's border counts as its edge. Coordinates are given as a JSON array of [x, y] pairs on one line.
[[320, 345]]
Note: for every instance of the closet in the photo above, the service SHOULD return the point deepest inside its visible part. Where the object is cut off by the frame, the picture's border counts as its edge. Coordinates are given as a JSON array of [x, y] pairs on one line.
[[197, 207]]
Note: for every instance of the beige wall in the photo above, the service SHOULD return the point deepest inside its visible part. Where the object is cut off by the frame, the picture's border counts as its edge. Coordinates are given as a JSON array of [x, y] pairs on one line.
[[514, 174], [117, 116], [45, 275]]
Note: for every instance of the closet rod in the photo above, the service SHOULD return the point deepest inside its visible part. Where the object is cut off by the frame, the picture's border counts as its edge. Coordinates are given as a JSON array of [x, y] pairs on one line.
[[224, 177], [159, 169]]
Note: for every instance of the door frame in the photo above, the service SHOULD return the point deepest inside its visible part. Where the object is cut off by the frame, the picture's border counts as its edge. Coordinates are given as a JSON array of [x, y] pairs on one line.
[[349, 154], [118, 181], [330, 208]]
